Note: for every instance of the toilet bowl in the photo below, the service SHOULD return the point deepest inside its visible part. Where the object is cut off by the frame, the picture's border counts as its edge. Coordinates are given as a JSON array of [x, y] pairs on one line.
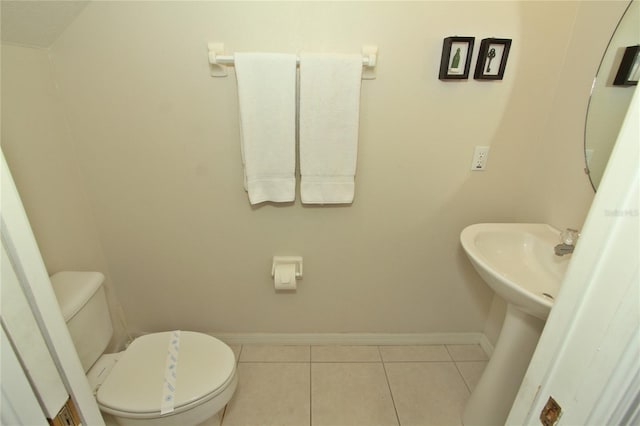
[[131, 391], [144, 385]]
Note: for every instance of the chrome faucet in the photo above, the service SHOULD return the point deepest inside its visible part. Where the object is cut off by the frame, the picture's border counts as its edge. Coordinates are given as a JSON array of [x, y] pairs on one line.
[[569, 237], [562, 249]]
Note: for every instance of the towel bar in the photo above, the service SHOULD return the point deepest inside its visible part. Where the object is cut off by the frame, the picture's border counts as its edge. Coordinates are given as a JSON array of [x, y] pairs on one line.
[[217, 60], [228, 60]]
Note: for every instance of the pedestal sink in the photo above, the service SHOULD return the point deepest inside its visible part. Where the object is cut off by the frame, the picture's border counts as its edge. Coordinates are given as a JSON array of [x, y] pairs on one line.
[[517, 261]]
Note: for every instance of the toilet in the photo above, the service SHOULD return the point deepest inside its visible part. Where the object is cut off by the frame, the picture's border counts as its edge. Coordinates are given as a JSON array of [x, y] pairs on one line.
[[137, 386]]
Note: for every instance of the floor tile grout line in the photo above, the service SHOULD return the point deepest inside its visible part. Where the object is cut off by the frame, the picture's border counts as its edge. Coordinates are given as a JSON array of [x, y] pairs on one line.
[[417, 362], [310, 385], [455, 362], [386, 376], [446, 347], [274, 362], [310, 391], [347, 362], [239, 355], [485, 358], [224, 411], [463, 379]]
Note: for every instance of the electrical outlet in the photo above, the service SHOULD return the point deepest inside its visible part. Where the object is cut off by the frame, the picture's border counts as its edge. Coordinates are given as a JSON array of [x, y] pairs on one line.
[[480, 155]]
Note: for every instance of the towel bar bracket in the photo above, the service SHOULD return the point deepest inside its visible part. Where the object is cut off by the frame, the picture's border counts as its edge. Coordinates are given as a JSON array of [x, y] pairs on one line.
[[218, 61], [217, 68], [369, 70]]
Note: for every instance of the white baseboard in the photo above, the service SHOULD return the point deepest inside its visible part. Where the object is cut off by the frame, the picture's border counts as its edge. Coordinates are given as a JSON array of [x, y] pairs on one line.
[[378, 339], [486, 345]]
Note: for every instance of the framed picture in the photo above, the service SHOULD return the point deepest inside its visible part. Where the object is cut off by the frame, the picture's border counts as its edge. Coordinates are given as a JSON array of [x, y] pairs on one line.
[[629, 70], [492, 58], [456, 58]]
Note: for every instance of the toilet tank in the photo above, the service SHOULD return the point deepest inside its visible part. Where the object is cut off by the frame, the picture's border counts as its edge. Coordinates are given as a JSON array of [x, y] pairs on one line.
[[84, 306]]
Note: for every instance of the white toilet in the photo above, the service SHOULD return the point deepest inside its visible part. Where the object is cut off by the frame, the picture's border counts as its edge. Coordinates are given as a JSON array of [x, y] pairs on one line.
[[131, 385]]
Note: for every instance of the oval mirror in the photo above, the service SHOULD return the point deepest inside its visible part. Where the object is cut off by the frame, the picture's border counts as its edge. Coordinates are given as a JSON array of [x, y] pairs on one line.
[[610, 96]]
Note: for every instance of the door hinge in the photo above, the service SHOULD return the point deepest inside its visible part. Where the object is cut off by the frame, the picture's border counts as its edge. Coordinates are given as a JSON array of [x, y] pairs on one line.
[[550, 413], [67, 416]]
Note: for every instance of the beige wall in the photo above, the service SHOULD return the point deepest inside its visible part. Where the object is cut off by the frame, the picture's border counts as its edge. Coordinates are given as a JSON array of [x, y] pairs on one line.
[[36, 143], [155, 140], [561, 192]]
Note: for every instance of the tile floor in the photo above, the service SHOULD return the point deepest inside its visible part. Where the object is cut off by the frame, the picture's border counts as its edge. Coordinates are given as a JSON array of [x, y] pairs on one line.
[[353, 385]]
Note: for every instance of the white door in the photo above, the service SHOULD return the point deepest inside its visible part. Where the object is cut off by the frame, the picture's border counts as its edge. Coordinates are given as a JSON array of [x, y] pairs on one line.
[[32, 323], [588, 357], [19, 405], [26, 341]]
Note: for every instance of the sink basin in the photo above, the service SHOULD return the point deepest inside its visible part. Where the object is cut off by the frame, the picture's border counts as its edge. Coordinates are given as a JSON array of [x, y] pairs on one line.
[[518, 262]]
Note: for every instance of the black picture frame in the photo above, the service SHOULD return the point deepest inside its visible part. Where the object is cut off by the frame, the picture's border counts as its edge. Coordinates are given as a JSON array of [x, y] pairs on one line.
[[492, 58], [455, 62], [629, 70]]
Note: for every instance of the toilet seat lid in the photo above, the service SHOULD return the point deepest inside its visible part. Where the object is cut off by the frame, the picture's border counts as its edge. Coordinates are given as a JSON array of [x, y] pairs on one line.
[[135, 384]]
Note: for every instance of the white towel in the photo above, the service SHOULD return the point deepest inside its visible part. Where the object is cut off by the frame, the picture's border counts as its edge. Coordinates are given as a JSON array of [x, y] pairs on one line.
[[267, 99], [329, 114]]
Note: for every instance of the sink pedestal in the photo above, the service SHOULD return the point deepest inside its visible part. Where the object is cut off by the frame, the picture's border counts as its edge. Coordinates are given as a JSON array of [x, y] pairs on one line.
[[491, 400]]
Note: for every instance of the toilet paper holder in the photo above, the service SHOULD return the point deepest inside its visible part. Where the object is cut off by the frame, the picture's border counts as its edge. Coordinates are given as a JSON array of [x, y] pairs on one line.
[[287, 260]]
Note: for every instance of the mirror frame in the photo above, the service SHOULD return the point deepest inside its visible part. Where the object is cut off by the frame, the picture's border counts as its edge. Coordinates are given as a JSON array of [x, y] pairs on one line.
[[591, 92]]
